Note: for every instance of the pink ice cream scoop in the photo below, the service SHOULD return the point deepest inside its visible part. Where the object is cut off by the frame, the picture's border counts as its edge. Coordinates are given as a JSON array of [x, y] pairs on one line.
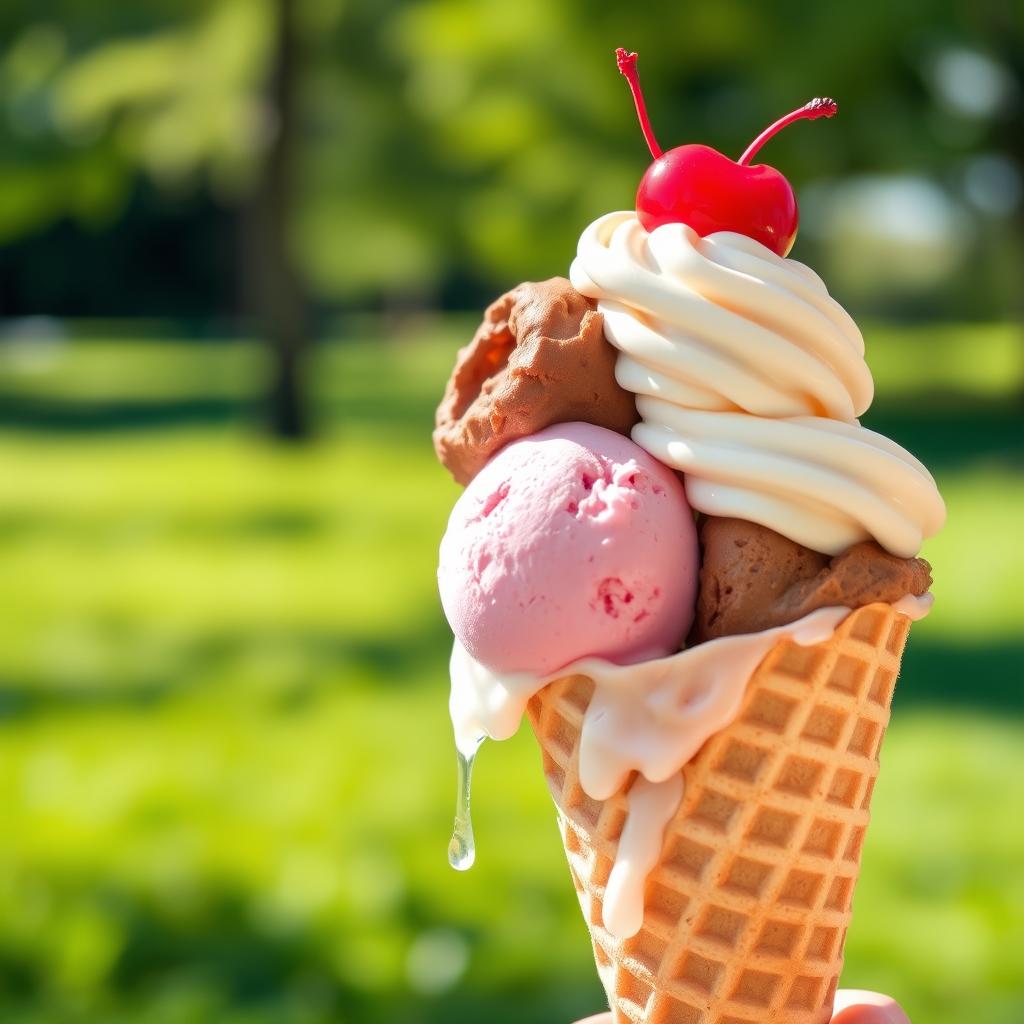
[[568, 543]]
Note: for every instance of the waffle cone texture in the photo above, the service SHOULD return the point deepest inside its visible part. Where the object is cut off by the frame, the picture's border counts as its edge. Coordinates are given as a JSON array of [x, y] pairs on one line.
[[746, 912]]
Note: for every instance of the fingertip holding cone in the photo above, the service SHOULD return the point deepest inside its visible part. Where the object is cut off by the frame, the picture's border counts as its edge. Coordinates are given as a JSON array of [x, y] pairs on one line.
[[856, 1006], [746, 912]]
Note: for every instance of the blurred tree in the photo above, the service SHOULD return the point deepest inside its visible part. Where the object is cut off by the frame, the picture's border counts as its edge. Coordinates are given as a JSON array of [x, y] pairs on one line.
[[200, 90], [436, 150], [281, 295]]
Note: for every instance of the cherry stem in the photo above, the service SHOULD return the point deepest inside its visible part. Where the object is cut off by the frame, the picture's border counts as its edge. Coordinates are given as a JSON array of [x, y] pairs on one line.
[[627, 65], [818, 107]]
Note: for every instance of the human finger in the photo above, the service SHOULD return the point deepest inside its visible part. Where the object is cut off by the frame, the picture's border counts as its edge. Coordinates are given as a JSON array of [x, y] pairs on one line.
[[857, 1006]]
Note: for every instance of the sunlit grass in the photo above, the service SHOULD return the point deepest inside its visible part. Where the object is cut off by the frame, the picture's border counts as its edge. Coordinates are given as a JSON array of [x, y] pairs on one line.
[[985, 360], [225, 759]]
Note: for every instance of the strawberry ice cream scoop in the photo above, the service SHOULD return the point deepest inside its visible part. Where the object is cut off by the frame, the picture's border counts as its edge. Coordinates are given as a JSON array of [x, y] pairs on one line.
[[570, 543]]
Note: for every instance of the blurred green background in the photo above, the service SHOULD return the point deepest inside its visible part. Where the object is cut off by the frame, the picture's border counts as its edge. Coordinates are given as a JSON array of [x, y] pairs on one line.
[[240, 241]]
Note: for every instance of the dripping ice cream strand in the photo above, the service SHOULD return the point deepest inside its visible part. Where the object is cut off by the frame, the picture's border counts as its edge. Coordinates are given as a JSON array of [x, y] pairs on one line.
[[651, 806], [462, 846]]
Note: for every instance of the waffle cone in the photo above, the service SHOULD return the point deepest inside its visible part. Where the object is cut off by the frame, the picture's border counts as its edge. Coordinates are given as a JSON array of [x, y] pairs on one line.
[[746, 912]]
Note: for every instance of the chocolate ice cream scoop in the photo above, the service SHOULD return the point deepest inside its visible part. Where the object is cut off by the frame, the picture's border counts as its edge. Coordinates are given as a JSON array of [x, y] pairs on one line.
[[539, 358], [753, 578]]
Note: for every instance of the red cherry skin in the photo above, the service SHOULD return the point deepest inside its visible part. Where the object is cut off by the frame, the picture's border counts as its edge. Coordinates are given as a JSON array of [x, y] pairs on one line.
[[699, 186]]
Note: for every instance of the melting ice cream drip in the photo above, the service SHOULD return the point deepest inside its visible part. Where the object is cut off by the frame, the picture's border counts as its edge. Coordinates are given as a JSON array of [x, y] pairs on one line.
[[651, 807], [650, 718], [461, 848]]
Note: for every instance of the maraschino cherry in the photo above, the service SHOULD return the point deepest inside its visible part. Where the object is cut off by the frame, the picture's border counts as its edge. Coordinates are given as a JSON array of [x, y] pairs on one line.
[[698, 186]]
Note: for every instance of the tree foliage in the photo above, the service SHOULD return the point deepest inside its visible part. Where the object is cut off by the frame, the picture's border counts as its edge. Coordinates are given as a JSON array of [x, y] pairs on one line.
[[454, 144]]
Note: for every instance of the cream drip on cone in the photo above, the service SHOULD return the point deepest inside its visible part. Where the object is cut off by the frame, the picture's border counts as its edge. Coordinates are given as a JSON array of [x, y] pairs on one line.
[[649, 718]]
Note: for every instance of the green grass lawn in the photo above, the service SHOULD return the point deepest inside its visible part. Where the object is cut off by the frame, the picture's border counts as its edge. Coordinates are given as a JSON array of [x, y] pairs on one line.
[[225, 762]]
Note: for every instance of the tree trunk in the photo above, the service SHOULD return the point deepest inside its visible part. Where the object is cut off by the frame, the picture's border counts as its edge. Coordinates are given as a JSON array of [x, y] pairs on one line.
[[274, 281]]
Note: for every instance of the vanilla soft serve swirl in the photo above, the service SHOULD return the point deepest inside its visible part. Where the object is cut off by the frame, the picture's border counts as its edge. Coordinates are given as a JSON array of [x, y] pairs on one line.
[[749, 378]]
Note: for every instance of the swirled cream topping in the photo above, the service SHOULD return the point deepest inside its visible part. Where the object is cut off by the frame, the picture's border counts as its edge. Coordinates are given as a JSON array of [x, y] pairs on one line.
[[749, 377]]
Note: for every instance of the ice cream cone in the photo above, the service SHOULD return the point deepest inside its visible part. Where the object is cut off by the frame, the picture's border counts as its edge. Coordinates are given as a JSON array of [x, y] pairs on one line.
[[746, 912]]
